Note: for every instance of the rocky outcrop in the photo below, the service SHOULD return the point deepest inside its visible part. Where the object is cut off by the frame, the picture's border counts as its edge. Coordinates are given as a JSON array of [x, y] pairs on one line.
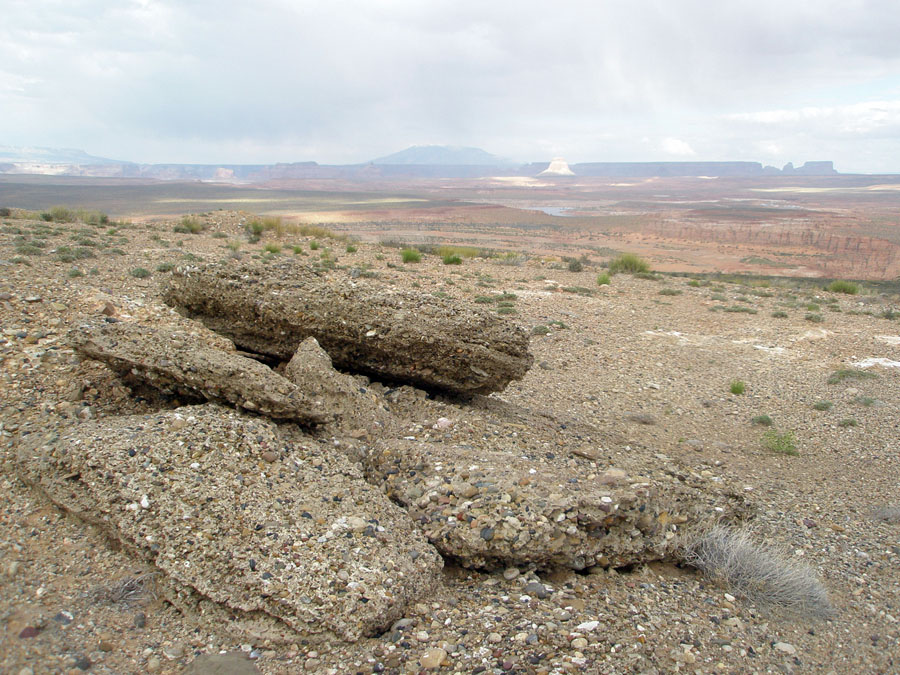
[[392, 335], [494, 508], [243, 518], [177, 362]]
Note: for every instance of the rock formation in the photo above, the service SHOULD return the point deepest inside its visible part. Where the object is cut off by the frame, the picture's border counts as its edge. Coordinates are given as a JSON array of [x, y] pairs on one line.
[[176, 362], [389, 334], [242, 515], [558, 167]]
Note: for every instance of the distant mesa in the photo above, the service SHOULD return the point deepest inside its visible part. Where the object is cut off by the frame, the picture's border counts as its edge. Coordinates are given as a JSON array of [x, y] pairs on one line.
[[442, 155], [558, 167]]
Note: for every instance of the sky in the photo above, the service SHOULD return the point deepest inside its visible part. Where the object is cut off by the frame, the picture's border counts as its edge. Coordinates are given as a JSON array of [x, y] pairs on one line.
[[345, 81]]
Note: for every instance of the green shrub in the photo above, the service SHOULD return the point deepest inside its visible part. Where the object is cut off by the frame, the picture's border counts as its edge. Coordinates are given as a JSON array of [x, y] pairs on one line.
[[628, 263], [762, 420], [848, 422], [485, 299], [669, 291], [575, 266], [779, 314], [350, 248], [540, 330], [850, 374], [452, 260], [649, 276], [737, 387], [603, 279], [782, 443], [822, 405], [5, 212], [233, 244], [847, 287], [812, 307], [410, 255], [74, 273], [867, 401], [140, 273], [313, 245], [461, 251], [506, 309], [189, 225], [814, 318], [274, 249], [165, 267]]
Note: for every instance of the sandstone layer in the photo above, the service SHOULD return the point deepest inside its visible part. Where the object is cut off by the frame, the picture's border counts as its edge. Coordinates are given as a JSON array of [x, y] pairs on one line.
[[390, 334]]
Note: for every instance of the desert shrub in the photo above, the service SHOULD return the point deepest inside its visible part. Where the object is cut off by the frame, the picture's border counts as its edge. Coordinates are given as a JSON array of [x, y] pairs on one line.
[[867, 401], [850, 374], [760, 572], [60, 214], [814, 318], [512, 258], [274, 249], [848, 422], [410, 255], [648, 276], [575, 266], [669, 291], [782, 443], [737, 387], [540, 330], [603, 279], [74, 273], [233, 245], [140, 273], [313, 245], [739, 309], [812, 307], [452, 260], [577, 290], [485, 299], [890, 314], [165, 267], [506, 309], [779, 314], [847, 287], [350, 248], [461, 251], [762, 420], [5, 212], [556, 323], [629, 263], [693, 283], [822, 405], [189, 225]]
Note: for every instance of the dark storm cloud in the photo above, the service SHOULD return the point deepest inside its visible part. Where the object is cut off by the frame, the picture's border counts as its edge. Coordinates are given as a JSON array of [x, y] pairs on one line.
[[350, 80]]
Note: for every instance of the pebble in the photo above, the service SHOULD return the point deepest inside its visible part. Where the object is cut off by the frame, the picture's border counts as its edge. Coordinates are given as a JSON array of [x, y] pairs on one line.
[[269, 456], [579, 643], [587, 626], [494, 637], [174, 651], [26, 671], [153, 664], [140, 620], [510, 573], [536, 589], [785, 647], [82, 663], [433, 658]]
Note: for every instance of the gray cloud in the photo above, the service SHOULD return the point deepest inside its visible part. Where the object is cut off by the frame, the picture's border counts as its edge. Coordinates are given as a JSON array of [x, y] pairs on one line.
[[288, 80]]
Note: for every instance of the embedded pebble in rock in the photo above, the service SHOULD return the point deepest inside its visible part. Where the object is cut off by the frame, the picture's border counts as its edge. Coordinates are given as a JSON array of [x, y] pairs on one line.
[[536, 589], [785, 647], [526, 509], [432, 659], [280, 548], [177, 362], [366, 328]]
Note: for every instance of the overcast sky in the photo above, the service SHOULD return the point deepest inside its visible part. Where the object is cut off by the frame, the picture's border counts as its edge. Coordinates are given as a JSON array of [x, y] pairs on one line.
[[344, 81]]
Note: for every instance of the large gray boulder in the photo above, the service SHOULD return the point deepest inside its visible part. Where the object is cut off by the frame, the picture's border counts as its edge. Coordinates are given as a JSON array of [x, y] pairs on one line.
[[389, 334], [260, 525]]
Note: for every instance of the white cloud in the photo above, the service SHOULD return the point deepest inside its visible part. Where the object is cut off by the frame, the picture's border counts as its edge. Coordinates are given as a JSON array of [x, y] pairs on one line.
[[678, 147]]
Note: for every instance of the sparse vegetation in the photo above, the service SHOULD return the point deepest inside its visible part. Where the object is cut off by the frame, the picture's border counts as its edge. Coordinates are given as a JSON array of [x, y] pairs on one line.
[[848, 422], [140, 273], [850, 374], [628, 263], [350, 248], [779, 314], [762, 420], [190, 225], [784, 443], [847, 287], [274, 249], [313, 245], [165, 267], [410, 255], [737, 387], [452, 260], [669, 291], [540, 330], [603, 279], [814, 318], [822, 405], [760, 572]]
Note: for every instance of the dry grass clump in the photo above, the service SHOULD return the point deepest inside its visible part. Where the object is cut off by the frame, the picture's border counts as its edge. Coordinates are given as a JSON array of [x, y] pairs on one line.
[[759, 572], [127, 592]]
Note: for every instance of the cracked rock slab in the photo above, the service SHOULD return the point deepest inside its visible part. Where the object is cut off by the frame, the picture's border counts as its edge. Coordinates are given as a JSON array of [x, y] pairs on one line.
[[492, 508], [256, 524], [177, 362], [387, 333]]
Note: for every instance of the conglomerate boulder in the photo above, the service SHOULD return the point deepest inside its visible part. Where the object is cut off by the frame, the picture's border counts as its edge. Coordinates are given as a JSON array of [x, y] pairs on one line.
[[242, 517], [390, 334], [490, 507], [177, 362]]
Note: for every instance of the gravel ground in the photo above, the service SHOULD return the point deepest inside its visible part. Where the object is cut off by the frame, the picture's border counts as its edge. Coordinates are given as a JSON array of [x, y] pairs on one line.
[[623, 372]]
